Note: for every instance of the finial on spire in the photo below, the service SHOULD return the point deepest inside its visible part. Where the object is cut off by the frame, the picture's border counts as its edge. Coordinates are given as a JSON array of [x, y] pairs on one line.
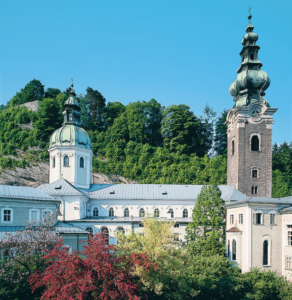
[[72, 84], [249, 16]]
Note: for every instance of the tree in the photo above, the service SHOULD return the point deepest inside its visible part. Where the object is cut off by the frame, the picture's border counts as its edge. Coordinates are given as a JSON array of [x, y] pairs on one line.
[[205, 234], [51, 93], [182, 131], [94, 273], [23, 251], [49, 118], [220, 140], [112, 111], [281, 186], [34, 90]]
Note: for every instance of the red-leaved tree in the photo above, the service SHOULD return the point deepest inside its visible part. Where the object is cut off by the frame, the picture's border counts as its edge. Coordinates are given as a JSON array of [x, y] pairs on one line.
[[94, 273]]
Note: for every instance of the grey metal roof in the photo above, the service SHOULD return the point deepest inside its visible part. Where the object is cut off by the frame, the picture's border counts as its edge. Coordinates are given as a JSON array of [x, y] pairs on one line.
[[159, 192], [282, 201], [23, 192], [96, 187], [125, 220], [61, 187]]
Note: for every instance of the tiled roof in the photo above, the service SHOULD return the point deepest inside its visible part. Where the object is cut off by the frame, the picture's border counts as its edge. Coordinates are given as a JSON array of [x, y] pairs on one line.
[[61, 187], [157, 192], [23, 192], [234, 229]]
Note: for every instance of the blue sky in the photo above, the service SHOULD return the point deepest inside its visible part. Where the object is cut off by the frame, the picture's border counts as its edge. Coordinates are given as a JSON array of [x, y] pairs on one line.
[[173, 51]]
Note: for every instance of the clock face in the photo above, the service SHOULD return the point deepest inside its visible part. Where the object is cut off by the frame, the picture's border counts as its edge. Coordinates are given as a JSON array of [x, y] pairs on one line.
[[255, 114]]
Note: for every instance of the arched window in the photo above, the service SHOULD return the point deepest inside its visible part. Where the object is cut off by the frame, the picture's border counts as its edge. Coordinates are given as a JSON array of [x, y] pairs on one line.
[[156, 213], [81, 162], [185, 213], [234, 250], [256, 190], [111, 212], [171, 212], [126, 213], [265, 253], [70, 117], [89, 230], [252, 190], [232, 147], [142, 213], [228, 249], [66, 161], [121, 230], [251, 56], [255, 143], [105, 233], [95, 212], [53, 162]]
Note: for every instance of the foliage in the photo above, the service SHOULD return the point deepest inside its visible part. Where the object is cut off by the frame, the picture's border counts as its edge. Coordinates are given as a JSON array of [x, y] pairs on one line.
[[34, 90], [94, 273], [220, 141], [23, 251], [205, 234]]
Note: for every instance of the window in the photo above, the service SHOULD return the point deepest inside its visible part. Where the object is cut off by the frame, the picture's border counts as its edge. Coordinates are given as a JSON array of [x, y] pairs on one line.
[[251, 56], [66, 161], [111, 212], [46, 213], [232, 148], [7, 215], [89, 230], [176, 237], [171, 212], [240, 218], [34, 214], [105, 233], [156, 213], [231, 219], [141, 225], [142, 213], [252, 190], [185, 213], [234, 250], [176, 225], [126, 213], [289, 238], [53, 162], [289, 262], [254, 173], [95, 212], [272, 219], [228, 249], [256, 190], [265, 253], [121, 230], [255, 143], [258, 218], [70, 117], [81, 162]]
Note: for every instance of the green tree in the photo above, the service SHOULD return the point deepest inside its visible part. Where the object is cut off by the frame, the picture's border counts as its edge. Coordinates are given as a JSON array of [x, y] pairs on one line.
[[182, 131], [49, 119], [112, 111], [281, 186], [220, 140], [51, 93], [34, 90], [205, 234]]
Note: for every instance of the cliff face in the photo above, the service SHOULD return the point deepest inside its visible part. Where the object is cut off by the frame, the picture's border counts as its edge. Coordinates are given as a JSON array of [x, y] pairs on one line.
[[36, 175]]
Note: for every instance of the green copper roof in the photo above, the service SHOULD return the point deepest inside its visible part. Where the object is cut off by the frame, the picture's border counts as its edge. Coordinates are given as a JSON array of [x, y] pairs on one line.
[[70, 135], [71, 101]]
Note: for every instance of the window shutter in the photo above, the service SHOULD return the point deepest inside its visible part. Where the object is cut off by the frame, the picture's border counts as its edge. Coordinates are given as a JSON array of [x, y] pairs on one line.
[[267, 219], [254, 219], [276, 218]]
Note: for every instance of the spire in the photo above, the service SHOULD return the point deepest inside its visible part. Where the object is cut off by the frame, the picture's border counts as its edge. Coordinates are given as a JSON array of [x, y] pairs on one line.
[[251, 81]]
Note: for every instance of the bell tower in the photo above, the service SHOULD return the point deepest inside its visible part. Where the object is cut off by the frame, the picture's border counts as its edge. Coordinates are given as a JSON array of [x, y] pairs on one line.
[[249, 124]]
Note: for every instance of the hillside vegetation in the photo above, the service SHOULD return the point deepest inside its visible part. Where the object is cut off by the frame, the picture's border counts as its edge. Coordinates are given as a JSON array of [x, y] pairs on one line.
[[141, 141]]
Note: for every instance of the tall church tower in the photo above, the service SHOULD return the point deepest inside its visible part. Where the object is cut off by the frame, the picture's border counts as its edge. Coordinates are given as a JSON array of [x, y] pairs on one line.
[[71, 148], [249, 124]]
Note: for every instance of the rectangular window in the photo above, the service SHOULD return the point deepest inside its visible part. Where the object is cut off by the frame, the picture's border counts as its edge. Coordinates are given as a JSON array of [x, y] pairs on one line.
[[272, 219], [288, 262], [176, 225], [258, 219], [7, 215], [231, 219], [289, 238], [240, 219], [254, 173], [141, 225]]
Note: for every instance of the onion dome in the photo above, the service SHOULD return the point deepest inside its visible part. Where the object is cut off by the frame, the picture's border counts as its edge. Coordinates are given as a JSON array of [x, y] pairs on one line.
[[251, 81], [71, 134]]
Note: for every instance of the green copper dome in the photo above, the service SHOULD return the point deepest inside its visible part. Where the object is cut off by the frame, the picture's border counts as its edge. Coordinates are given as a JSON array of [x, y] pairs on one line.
[[70, 135], [71, 101]]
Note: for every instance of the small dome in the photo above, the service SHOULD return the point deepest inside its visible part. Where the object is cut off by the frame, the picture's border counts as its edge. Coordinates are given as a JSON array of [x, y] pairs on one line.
[[249, 39], [70, 135], [71, 101]]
